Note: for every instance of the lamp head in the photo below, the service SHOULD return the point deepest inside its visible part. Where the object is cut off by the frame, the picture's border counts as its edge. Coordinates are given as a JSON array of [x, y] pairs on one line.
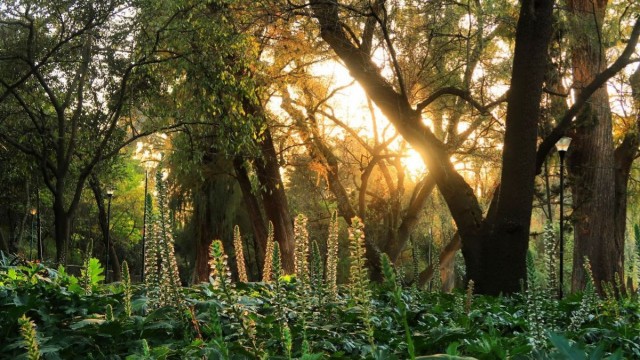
[[33, 211], [109, 192], [563, 144]]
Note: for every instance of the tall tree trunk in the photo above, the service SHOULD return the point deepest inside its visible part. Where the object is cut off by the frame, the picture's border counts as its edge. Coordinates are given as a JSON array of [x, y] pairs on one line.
[[506, 235], [114, 265], [203, 236], [624, 155], [62, 229], [591, 155], [251, 202], [275, 201]]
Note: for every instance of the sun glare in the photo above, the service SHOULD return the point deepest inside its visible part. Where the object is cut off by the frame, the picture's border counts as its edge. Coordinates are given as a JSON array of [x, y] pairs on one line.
[[414, 164]]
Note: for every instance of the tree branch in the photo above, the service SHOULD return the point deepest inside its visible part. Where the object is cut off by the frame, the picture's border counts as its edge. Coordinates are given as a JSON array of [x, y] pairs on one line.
[[600, 80]]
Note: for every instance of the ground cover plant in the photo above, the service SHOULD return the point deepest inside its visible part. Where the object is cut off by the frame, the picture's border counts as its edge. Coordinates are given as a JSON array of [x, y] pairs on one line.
[[50, 314]]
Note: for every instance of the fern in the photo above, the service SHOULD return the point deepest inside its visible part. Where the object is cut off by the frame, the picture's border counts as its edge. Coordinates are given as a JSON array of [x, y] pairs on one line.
[[91, 274]]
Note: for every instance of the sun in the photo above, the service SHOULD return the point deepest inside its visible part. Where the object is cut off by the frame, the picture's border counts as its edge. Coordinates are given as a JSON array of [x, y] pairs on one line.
[[413, 163]]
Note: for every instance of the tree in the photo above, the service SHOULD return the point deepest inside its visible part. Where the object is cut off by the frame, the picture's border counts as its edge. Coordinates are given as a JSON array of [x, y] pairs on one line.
[[599, 209], [495, 246], [67, 72], [214, 89]]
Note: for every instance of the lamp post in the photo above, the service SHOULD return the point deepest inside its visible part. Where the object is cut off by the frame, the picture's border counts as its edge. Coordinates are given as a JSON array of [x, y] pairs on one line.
[[144, 223], [33, 212], [109, 196], [562, 145], [39, 228]]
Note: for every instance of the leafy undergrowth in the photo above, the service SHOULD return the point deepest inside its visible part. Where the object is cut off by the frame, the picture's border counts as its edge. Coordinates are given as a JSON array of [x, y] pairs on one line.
[[284, 319]]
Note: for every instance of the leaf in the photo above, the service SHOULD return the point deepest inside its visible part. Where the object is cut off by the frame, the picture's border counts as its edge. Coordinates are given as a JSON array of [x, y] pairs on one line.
[[445, 357], [87, 322], [565, 349], [95, 272]]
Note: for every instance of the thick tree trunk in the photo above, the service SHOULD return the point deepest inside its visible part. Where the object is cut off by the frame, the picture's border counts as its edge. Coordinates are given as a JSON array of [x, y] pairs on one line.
[[203, 237], [624, 156], [275, 201], [591, 155], [252, 205], [505, 247], [62, 230]]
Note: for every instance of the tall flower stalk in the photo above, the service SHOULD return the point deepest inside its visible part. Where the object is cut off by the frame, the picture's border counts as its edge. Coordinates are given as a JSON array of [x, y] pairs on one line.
[[161, 267], [126, 288], [332, 256], [550, 251], [221, 280], [29, 337], [238, 248], [85, 272], [301, 253], [170, 286], [359, 276], [268, 256]]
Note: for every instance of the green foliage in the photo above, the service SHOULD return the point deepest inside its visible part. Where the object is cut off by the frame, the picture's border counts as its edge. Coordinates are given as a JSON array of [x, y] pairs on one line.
[[392, 284], [92, 274], [253, 320]]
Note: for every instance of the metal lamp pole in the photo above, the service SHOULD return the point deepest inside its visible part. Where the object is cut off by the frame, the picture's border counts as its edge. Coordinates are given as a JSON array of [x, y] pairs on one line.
[[109, 196], [39, 228], [33, 215], [562, 145], [144, 222]]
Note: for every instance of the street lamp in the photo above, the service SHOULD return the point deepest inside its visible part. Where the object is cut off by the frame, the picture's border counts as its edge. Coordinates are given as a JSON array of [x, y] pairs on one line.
[[39, 227], [562, 145], [144, 221], [33, 212], [109, 196]]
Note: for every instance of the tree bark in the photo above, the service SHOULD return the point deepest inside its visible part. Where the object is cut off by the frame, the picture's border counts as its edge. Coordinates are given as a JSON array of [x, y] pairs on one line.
[[624, 156], [591, 155], [251, 201], [507, 234], [62, 229], [275, 201], [203, 236]]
